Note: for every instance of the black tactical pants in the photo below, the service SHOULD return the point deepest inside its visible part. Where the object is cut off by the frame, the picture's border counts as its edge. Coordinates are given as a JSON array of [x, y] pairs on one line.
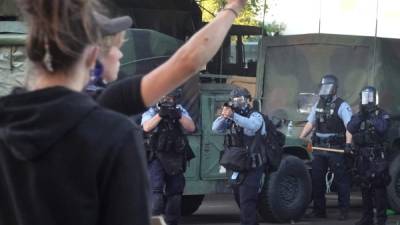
[[374, 197], [320, 164], [373, 176], [246, 195], [166, 187]]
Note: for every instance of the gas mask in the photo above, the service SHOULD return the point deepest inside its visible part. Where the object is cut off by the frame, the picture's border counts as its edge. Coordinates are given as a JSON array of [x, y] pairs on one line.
[[240, 105], [239, 102]]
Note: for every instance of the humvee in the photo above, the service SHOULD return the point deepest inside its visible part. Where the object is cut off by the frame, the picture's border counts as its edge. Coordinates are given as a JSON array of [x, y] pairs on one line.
[[281, 72]]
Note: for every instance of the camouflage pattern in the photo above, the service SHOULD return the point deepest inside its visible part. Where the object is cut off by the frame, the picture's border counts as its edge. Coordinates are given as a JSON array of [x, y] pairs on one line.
[[12, 56], [12, 67], [8, 8]]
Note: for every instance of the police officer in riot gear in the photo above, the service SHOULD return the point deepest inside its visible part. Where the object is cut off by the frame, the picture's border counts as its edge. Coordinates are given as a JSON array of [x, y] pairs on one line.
[[369, 128], [167, 154], [329, 118], [242, 124]]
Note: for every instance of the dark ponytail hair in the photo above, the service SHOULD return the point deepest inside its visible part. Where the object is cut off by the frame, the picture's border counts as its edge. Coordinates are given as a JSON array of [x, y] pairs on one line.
[[59, 31]]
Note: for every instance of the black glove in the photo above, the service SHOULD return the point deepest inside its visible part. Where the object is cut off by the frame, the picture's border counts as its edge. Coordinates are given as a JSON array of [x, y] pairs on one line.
[[363, 114], [164, 112], [175, 114], [348, 149]]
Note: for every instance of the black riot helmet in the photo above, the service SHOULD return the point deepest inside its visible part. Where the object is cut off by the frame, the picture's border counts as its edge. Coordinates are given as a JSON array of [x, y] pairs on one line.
[[240, 97], [328, 87], [171, 98], [177, 93], [369, 99]]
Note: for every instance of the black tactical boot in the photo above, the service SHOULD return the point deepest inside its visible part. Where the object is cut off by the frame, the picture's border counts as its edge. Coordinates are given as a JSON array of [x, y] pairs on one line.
[[365, 220], [314, 214], [381, 217], [343, 214], [173, 209]]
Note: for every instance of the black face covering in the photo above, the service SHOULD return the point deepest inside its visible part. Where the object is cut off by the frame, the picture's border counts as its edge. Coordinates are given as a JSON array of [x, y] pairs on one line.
[[242, 111], [324, 101], [368, 109]]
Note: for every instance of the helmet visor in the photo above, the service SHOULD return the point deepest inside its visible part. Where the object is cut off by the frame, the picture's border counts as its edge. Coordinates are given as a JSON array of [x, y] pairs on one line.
[[326, 89], [239, 102], [368, 97], [167, 101]]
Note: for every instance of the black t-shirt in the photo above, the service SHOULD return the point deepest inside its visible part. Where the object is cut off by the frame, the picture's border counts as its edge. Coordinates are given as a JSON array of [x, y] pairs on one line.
[[123, 96]]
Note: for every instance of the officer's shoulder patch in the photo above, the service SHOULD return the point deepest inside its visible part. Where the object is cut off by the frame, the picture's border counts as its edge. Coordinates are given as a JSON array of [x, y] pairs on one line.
[[256, 114]]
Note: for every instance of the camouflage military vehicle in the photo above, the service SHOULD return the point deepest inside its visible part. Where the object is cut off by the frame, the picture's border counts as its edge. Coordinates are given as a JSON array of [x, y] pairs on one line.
[[282, 75], [290, 68], [286, 192]]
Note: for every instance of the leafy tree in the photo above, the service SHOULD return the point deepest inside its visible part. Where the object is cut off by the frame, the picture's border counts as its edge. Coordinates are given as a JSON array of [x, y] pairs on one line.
[[248, 17]]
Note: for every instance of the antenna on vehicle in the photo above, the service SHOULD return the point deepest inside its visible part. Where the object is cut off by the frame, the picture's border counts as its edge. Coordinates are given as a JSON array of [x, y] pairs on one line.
[[375, 41], [205, 9], [263, 22]]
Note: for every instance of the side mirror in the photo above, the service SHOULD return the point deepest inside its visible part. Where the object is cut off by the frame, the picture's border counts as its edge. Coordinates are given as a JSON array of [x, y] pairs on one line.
[[305, 102], [257, 104]]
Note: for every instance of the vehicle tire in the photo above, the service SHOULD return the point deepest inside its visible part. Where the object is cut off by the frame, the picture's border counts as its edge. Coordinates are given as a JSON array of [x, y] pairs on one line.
[[393, 189], [286, 193], [190, 204]]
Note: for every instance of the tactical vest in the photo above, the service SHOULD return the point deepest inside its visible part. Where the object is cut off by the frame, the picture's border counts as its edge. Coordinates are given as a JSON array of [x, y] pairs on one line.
[[168, 144], [328, 120], [370, 163], [235, 137], [367, 136], [168, 137]]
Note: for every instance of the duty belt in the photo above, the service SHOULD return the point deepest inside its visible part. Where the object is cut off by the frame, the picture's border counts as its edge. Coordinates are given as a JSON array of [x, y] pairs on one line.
[[329, 142]]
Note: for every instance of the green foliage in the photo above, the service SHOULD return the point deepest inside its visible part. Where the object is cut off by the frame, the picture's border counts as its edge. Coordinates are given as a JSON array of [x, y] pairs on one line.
[[274, 28], [248, 17]]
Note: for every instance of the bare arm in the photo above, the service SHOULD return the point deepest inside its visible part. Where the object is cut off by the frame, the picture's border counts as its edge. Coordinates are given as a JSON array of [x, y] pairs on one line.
[[151, 123], [187, 123], [306, 130], [191, 57], [349, 137]]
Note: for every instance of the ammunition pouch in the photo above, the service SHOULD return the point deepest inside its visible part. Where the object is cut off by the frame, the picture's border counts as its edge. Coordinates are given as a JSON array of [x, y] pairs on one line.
[[234, 140], [173, 163], [243, 153], [366, 139], [235, 159], [168, 142]]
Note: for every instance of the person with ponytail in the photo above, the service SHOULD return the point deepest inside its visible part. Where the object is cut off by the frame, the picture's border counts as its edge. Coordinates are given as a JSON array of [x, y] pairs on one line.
[[64, 159]]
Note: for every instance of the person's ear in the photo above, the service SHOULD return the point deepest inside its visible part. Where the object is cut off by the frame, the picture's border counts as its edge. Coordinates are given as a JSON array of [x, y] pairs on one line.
[[91, 56]]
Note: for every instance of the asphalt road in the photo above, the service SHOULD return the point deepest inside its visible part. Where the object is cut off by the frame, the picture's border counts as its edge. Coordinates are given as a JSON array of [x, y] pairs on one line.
[[222, 210]]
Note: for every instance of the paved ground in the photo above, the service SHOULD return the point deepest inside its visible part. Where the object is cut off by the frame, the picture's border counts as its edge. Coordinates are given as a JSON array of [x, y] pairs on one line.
[[222, 210]]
